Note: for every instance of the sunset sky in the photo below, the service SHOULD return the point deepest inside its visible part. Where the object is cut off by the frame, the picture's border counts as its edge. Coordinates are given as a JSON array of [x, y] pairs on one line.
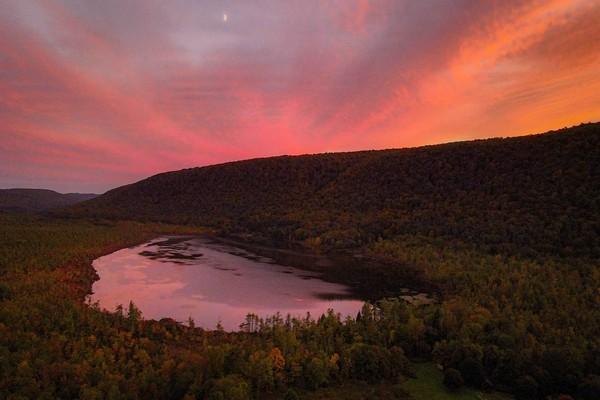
[[96, 94]]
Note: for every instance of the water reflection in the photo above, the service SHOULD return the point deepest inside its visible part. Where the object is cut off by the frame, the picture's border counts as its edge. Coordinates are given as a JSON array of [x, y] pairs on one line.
[[181, 277]]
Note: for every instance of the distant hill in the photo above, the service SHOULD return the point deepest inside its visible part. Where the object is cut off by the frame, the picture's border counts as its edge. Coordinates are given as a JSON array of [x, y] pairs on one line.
[[34, 200], [531, 194]]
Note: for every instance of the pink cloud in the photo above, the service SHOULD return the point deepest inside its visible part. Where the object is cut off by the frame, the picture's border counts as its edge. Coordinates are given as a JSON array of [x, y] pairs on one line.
[[98, 94]]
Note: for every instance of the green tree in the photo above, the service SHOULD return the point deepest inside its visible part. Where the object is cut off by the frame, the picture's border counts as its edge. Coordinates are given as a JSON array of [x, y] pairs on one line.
[[230, 387], [316, 373], [589, 389], [453, 380]]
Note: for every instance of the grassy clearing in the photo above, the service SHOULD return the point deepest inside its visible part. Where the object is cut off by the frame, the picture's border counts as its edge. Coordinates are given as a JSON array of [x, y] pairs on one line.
[[358, 391], [429, 386]]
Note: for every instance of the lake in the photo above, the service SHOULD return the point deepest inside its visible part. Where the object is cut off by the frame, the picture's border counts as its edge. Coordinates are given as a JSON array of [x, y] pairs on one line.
[[212, 282]]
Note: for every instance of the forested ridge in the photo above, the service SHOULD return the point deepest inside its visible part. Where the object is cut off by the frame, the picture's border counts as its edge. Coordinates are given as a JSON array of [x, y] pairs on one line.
[[35, 200], [531, 195]]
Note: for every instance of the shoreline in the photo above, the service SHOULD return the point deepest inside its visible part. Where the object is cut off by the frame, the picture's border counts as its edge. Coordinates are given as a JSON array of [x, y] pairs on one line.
[[81, 275], [367, 278]]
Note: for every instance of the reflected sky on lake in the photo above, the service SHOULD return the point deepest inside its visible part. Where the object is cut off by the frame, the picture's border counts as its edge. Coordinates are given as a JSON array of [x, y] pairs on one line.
[[181, 277]]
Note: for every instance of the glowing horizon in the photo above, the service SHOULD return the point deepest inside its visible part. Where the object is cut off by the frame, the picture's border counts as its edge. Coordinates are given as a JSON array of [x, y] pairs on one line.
[[94, 95]]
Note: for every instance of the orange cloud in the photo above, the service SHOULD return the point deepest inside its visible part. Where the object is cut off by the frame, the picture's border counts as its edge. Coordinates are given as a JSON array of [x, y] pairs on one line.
[[103, 93]]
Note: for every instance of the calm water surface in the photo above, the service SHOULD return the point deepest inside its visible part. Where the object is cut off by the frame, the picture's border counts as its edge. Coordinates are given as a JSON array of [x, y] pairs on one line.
[[181, 277]]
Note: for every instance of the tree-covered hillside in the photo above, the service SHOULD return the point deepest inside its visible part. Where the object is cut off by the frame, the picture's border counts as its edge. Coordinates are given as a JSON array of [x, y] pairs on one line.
[[531, 195], [35, 200]]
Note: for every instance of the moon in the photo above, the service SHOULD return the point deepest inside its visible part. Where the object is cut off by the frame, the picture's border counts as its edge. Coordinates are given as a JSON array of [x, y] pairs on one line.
[[224, 17]]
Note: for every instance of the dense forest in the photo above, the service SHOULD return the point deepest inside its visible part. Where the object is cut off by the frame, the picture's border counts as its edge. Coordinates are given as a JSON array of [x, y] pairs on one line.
[[508, 230], [34, 200]]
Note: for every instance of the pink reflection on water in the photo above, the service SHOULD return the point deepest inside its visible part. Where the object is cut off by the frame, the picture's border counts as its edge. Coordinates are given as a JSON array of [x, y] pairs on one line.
[[192, 277]]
